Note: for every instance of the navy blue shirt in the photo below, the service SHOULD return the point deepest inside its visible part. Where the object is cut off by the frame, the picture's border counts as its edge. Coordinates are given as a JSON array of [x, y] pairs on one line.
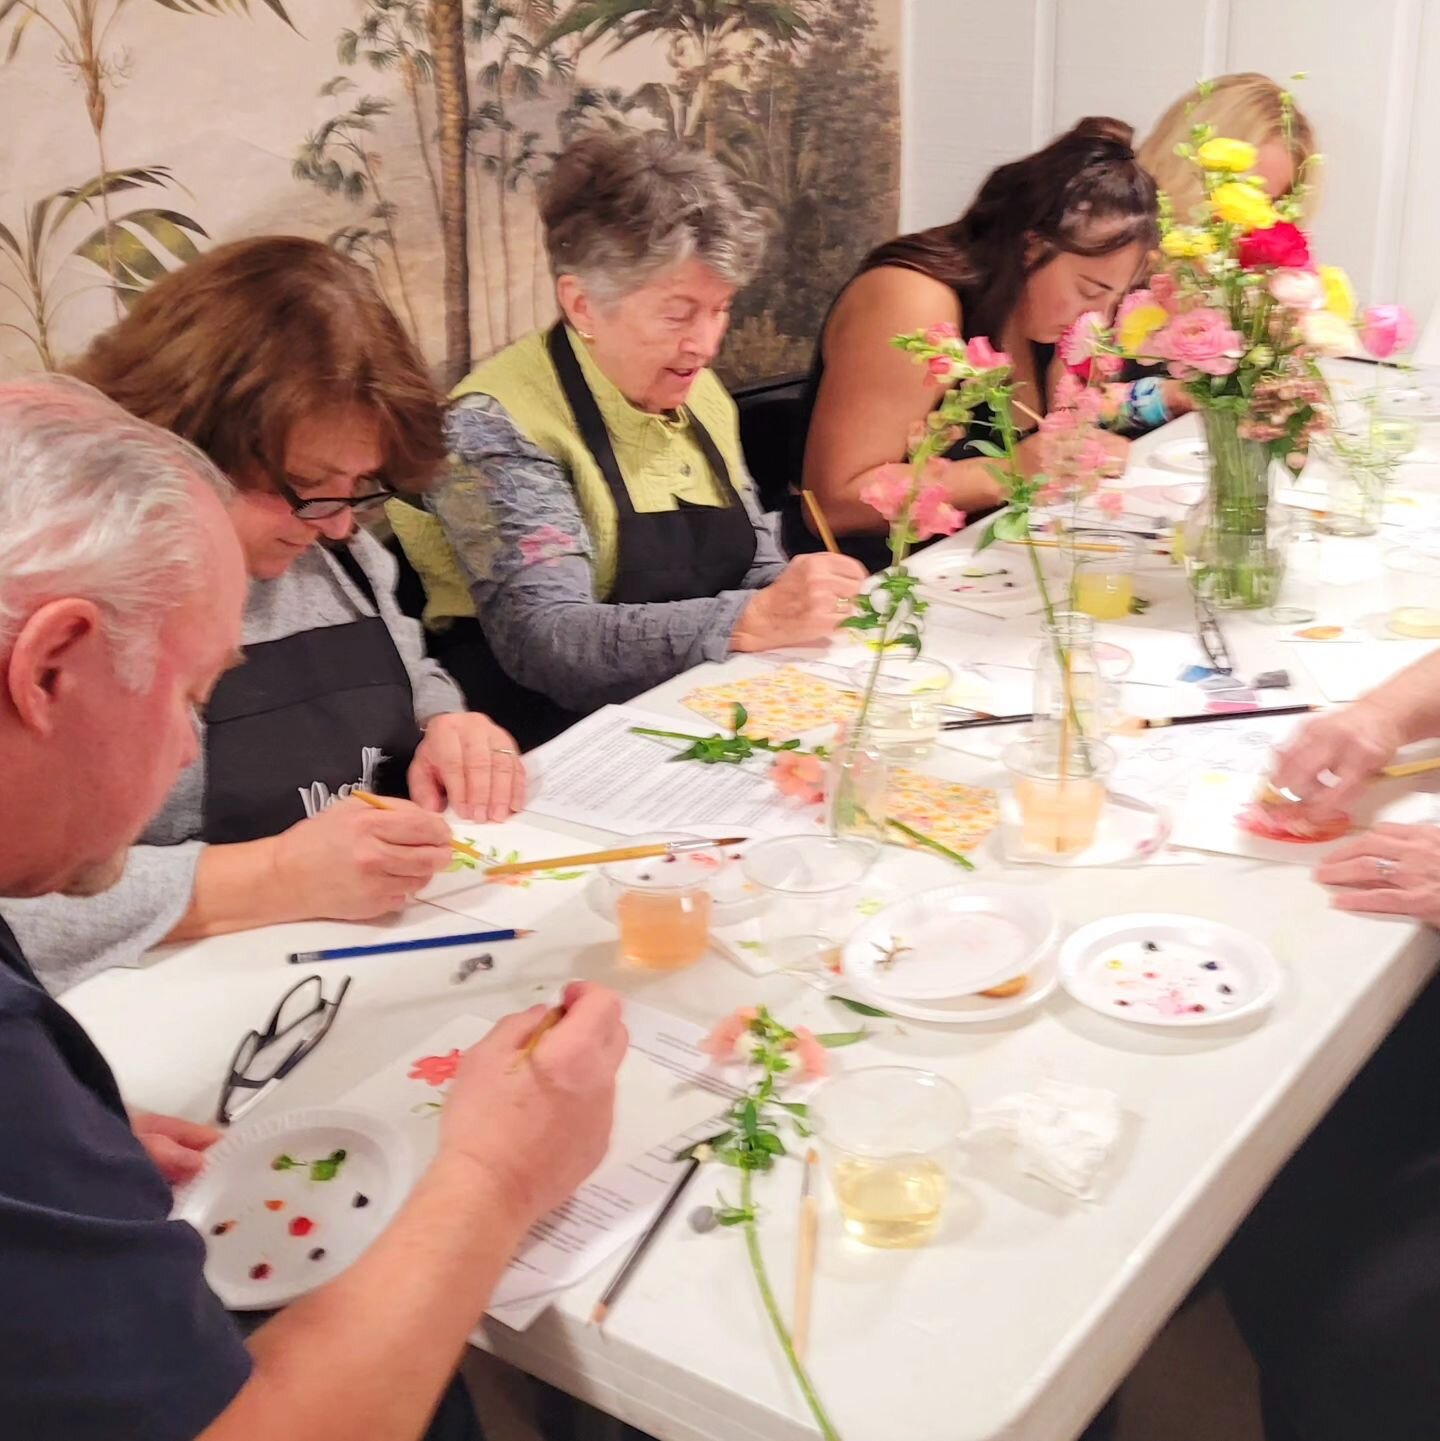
[[107, 1328]]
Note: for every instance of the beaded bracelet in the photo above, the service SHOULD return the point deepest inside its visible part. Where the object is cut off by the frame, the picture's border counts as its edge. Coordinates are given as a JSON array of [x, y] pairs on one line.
[[1145, 406]]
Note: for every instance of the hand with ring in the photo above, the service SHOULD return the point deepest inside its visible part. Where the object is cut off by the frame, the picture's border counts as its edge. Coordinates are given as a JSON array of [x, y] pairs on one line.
[[1390, 870], [466, 762]]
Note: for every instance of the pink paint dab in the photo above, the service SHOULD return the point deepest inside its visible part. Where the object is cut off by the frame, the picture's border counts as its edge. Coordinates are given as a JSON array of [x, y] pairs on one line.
[[301, 1226]]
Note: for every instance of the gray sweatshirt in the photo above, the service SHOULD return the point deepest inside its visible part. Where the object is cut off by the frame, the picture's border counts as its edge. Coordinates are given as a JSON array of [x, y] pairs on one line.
[[68, 939]]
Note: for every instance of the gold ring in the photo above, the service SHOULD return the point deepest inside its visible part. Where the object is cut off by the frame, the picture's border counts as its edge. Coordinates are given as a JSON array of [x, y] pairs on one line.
[[503, 751]]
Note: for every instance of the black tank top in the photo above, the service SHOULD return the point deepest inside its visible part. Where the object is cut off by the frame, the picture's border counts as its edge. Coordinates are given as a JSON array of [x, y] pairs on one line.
[[873, 551]]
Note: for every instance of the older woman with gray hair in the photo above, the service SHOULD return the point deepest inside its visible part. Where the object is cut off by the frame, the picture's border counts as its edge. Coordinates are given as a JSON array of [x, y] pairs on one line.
[[597, 532]]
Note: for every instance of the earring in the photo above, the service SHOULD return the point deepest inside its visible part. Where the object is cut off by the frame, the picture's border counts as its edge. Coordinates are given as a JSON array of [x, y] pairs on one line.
[[585, 335]]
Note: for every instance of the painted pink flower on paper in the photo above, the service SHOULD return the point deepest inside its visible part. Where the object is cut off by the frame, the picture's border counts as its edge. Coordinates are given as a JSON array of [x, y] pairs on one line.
[[547, 543], [436, 1070]]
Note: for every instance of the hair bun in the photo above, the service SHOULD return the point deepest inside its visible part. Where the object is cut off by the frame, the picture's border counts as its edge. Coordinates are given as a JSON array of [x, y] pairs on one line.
[[1105, 127]]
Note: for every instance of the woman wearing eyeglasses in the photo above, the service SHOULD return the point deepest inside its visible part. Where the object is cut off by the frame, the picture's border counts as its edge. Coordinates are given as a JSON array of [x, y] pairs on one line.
[[279, 359]]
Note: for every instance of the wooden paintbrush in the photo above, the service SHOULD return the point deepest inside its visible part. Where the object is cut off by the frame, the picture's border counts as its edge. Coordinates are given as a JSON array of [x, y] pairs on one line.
[[458, 846], [547, 1023]]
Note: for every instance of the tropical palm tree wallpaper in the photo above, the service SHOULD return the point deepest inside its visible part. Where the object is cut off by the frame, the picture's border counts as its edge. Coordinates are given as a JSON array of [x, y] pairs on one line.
[[414, 135]]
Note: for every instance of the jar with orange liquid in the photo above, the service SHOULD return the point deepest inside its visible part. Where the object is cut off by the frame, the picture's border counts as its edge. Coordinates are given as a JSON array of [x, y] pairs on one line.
[[662, 906]]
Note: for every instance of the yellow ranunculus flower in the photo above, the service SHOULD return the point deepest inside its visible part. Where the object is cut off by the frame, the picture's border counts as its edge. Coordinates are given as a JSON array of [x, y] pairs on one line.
[[1339, 293], [1239, 204], [1138, 326], [1236, 156], [1185, 242]]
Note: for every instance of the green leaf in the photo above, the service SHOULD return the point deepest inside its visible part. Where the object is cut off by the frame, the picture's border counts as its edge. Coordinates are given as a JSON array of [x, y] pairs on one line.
[[796, 1108], [284, 1163], [739, 718], [329, 1168], [833, 1040], [771, 1144], [861, 1009], [987, 447], [987, 538], [1013, 525]]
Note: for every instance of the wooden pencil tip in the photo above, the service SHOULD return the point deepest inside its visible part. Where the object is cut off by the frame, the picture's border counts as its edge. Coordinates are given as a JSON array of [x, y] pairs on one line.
[[598, 1315]]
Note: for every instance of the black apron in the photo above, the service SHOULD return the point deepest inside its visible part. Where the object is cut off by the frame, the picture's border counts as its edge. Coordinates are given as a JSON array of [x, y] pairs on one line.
[[305, 716], [662, 556]]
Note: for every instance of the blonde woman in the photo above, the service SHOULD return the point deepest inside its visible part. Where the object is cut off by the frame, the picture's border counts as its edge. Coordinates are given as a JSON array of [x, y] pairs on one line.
[[1247, 106]]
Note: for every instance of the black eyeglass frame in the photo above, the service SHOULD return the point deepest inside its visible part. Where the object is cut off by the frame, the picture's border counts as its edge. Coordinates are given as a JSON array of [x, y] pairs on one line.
[[330, 505], [1212, 640], [258, 1041]]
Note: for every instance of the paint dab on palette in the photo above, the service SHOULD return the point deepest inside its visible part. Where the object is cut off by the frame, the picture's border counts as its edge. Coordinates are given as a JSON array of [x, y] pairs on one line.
[[361, 1200], [260, 1271], [301, 1226], [274, 1205], [1273, 823], [1320, 632], [1178, 981], [221, 1227], [318, 1254]]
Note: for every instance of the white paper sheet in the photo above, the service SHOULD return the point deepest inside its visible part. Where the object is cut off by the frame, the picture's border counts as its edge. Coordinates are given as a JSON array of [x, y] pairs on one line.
[[1207, 821], [1346, 672], [665, 1095], [513, 900], [598, 774]]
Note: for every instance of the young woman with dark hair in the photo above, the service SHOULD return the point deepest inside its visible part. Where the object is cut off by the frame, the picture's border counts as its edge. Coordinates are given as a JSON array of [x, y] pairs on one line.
[[1048, 237]]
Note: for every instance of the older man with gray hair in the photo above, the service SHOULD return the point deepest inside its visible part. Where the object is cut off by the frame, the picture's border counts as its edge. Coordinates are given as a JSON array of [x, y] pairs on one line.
[[121, 586]]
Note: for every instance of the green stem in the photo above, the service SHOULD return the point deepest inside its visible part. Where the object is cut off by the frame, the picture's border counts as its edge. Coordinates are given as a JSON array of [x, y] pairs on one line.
[[665, 735], [922, 839], [782, 1334]]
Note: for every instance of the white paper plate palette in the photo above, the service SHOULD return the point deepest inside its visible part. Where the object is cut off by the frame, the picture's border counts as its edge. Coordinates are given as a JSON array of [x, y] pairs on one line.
[[949, 943], [1190, 456], [977, 1010], [286, 1204], [1000, 575], [1168, 970]]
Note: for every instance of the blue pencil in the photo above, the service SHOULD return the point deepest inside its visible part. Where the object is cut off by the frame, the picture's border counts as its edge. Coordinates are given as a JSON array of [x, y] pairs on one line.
[[430, 943]]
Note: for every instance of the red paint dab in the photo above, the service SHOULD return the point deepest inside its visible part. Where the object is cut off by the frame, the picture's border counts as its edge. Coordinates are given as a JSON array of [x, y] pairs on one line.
[[301, 1226], [274, 1205], [259, 1272]]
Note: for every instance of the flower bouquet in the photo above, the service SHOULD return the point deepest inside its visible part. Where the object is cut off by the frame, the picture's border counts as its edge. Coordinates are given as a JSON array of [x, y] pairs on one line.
[[1241, 314]]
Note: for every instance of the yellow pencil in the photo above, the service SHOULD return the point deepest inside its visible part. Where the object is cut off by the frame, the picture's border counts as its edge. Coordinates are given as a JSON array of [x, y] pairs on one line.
[[620, 853], [822, 526], [1411, 768], [548, 1022], [375, 803]]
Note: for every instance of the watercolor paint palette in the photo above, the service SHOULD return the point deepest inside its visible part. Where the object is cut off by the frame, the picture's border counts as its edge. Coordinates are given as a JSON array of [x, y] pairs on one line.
[[1001, 575], [1168, 970], [286, 1204]]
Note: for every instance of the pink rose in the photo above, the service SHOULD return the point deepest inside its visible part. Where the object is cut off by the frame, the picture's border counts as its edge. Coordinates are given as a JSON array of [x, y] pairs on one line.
[[725, 1036], [810, 1053], [888, 490], [940, 368], [937, 335], [1198, 341], [1297, 289], [983, 356], [934, 515], [1387, 330], [801, 777], [1081, 342]]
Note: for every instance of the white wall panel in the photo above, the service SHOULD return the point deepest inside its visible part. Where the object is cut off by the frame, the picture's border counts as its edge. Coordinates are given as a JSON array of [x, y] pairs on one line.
[[984, 83]]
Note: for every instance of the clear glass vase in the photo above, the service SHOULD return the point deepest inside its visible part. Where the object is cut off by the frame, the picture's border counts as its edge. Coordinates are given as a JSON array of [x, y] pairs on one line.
[[1230, 552], [1355, 491], [857, 782], [1088, 702]]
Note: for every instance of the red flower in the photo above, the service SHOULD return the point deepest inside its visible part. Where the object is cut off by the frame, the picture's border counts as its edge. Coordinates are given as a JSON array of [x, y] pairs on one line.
[[436, 1070], [1282, 245]]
